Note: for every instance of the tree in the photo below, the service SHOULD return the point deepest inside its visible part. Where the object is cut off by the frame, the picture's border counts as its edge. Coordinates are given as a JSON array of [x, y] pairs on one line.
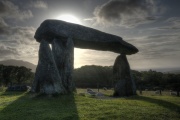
[[15, 75], [23, 74], [1, 74], [91, 75], [8, 73]]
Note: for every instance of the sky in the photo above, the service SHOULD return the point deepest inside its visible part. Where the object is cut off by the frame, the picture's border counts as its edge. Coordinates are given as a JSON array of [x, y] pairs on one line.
[[153, 26]]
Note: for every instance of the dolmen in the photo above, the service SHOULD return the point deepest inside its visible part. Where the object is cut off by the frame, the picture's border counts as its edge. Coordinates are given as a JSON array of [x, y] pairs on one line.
[[55, 66]]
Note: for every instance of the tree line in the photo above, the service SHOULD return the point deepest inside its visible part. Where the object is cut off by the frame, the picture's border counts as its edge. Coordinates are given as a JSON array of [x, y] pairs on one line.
[[12, 75], [102, 76], [91, 76], [154, 80]]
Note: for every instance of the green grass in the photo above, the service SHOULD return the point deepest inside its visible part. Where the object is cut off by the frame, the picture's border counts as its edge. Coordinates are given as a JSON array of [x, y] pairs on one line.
[[25, 106]]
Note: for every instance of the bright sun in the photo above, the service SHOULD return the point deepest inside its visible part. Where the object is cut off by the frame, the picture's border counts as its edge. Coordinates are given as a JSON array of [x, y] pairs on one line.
[[69, 18]]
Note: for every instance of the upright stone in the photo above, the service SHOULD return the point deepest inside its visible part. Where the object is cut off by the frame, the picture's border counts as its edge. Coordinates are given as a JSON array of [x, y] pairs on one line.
[[63, 52], [47, 79], [125, 85]]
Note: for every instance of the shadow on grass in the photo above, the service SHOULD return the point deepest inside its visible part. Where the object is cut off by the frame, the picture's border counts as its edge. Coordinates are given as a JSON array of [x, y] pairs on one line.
[[11, 93], [165, 104], [25, 106]]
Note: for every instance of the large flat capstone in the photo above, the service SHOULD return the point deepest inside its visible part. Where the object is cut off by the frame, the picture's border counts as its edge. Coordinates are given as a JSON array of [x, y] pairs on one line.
[[83, 37]]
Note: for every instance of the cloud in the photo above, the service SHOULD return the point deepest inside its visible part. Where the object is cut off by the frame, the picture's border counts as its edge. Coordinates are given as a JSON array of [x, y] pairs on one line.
[[4, 28], [23, 34], [172, 23], [157, 46], [156, 51], [17, 42], [10, 10], [128, 13], [174, 20], [7, 51], [39, 4]]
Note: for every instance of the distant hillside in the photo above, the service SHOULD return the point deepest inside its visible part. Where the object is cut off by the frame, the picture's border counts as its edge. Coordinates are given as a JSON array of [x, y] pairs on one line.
[[174, 71], [163, 70], [19, 63]]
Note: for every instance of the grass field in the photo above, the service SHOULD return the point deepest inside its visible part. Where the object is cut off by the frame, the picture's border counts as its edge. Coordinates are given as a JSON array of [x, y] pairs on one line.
[[25, 106]]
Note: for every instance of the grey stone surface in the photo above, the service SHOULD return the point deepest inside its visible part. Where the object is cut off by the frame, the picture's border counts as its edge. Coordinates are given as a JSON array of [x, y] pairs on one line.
[[55, 67], [47, 79], [125, 85], [63, 52], [83, 37]]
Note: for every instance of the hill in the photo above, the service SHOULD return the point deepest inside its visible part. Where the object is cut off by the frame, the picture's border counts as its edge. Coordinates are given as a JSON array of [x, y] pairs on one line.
[[19, 63]]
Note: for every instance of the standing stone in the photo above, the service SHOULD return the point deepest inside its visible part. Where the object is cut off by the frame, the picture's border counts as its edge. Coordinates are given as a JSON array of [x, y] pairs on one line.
[[63, 52], [125, 85], [47, 79]]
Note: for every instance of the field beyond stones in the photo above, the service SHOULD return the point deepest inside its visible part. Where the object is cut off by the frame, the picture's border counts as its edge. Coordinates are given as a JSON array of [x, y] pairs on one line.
[[149, 106]]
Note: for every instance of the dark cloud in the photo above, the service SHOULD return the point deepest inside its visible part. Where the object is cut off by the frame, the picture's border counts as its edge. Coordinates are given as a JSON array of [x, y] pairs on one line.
[[16, 42], [157, 46], [174, 20], [10, 10], [25, 33], [8, 51], [128, 13], [19, 45], [168, 28], [4, 28], [172, 23], [18, 33], [39, 4]]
